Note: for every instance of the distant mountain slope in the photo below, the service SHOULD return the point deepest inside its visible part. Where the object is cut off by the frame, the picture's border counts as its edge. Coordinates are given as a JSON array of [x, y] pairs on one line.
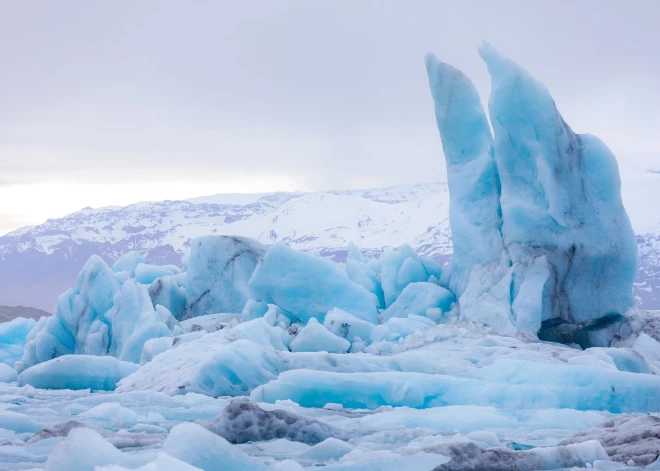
[[38, 263], [8, 313]]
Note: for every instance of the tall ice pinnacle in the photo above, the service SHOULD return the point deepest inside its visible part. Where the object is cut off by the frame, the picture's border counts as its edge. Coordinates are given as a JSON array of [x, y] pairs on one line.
[[474, 185], [546, 199]]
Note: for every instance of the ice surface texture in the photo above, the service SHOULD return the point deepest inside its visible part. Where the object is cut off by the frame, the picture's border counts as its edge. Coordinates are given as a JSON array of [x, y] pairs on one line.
[[307, 286], [243, 421], [539, 228], [77, 372], [219, 268]]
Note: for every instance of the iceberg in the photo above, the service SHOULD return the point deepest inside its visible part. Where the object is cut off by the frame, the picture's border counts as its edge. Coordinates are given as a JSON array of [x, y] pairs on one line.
[[219, 269], [77, 372], [314, 337], [306, 286], [417, 298], [553, 240], [506, 383], [399, 268], [78, 324], [13, 336]]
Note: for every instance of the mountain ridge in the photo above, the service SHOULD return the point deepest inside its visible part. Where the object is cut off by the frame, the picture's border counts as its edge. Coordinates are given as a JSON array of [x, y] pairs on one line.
[[38, 263]]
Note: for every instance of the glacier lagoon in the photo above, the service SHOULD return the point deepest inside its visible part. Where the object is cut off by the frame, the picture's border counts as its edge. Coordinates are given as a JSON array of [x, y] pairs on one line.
[[525, 353]]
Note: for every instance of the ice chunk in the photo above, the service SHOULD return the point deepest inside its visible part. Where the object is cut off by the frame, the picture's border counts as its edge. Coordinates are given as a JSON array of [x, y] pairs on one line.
[[7, 374], [83, 450], [505, 383], [153, 347], [561, 202], [359, 272], [649, 347], [147, 274], [78, 324], [167, 292], [399, 268], [242, 422], [417, 298], [226, 363], [13, 335], [210, 322], [314, 337], [390, 462], [77, 372], [397, 327], [219, 268], [197, 446], [307, 286], [527, 225], [134, 321], [18, 422], [328, 449], [163, 462], [112, 410], [347, 326], [472, 175], [625, 438], [470, 418], [129, 262], [571, 455]]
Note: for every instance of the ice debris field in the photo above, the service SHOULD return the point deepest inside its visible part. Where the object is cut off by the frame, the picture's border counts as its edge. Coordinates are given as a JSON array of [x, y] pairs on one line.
[[526, 353]]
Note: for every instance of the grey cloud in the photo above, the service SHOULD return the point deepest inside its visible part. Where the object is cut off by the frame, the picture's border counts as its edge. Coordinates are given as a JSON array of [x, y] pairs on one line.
[[324, 91]]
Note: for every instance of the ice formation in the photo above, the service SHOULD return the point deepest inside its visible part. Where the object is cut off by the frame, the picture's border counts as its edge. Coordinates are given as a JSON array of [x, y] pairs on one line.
[[306, 286], [258, 358], [557, 241], [219, 269]]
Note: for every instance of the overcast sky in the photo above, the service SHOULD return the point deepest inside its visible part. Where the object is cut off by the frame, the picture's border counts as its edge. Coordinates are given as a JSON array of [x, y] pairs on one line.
[[111, 102]]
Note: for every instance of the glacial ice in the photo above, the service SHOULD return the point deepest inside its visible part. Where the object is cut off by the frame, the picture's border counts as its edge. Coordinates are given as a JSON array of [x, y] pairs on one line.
[[506, 383], [99, 373], [306, 286], [558, 243], [13, 335], [205, 450], [314, 337], [219, 269], [399, 268], [243, 421], [346, 325], [417, 298]]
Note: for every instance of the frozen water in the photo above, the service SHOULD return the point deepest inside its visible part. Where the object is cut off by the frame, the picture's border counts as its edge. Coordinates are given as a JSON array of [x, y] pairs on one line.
[[307, 286], [134, 321], [147, 274], [528, 215], [243, 421], [78, 324], [626, 438], [348, 326], [129, 262], [314, 337], [205, 450], [13, 335], [417, 298], [77, 372], [399, 268], [505, 383], [7, 374], [219, 268], [167, 292]]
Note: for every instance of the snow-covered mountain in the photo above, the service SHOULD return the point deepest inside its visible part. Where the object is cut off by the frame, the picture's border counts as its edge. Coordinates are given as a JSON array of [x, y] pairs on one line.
[[38, 263]]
